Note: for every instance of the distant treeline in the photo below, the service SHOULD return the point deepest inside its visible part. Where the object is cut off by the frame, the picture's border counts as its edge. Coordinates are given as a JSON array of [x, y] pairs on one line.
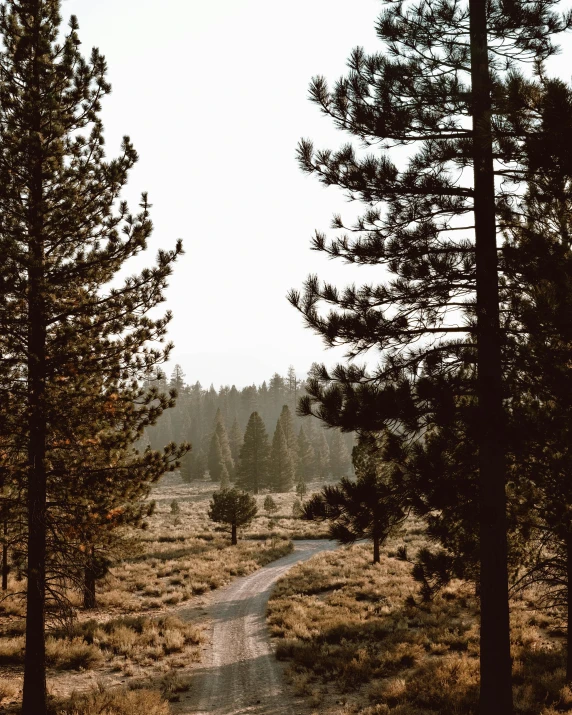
[[198, 411]]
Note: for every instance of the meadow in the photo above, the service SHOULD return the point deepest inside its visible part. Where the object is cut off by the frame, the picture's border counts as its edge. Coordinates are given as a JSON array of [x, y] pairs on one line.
[[131, 653], [358, 638]]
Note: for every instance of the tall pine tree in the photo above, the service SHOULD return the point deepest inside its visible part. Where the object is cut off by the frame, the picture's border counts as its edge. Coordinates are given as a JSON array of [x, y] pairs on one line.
[[235, 440], [287, 424], [447, 82], [321, 455], [64, 236], [305, 461], [339, 456], [220, 431], [215, 459], [281, 476], [252, 470]]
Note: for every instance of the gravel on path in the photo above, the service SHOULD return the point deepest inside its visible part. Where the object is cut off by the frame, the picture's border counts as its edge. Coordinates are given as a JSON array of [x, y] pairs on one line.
[[239, 673]]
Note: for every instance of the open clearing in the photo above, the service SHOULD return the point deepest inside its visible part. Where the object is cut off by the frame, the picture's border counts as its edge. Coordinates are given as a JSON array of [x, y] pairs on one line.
[[148, 630], [240, 673], [359, 640]]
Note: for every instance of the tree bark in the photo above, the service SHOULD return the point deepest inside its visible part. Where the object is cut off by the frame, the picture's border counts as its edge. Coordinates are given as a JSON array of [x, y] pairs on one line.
[[34, 691], [569, 605], [233, 539], [376, 550], [89, 582], [34, 700], [5, 568], [496, 689]]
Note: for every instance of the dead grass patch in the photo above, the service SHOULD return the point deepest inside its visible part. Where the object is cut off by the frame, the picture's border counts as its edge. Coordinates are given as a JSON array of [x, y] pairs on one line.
[[118, 702], [361, 631], [176, 558]]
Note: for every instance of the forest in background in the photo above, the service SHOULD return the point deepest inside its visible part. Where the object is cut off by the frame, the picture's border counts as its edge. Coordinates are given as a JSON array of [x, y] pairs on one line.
[[464, 422], [317, 452]]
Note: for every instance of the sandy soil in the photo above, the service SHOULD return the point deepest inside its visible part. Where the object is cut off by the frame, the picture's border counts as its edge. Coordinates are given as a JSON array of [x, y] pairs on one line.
[[239, 673]]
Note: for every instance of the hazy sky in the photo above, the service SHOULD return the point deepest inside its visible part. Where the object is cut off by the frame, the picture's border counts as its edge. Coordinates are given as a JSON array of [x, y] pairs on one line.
[[213, 94]]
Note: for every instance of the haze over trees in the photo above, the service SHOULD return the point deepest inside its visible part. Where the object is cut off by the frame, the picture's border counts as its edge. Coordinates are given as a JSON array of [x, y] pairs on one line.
[[253, 459], [281, 463], [369, 507], [463, 163], [202, 417]]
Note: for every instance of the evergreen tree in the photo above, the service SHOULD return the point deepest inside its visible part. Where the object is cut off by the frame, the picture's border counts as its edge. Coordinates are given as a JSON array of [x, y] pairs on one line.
[[193, 466], [233, 507], [161, 433], [224, 476], [539, 260], [235, 440], [305, 463], [215, 459], [339, 456], [102, 504], [281, 467], [287, 424], [417, 92], [177, 379], [276, 394], [321, 455], [301, 489], [293, 388], [356, 510], [69, 341], [220, 431], [270, 505], [252, 470], [297, 509]]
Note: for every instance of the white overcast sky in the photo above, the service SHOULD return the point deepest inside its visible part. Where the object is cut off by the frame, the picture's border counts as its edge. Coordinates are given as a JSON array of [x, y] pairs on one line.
[[213, 94]]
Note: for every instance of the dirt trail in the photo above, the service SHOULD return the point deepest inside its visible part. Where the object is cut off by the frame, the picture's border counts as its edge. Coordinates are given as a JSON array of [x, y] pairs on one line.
[[239, 673]]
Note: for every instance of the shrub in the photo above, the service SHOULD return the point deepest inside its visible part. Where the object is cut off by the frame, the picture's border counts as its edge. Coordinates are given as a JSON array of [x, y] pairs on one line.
[[270, 505], [301, 489], [11, 651], [297, 510], [74, 654], [121, 702], [7, 690]]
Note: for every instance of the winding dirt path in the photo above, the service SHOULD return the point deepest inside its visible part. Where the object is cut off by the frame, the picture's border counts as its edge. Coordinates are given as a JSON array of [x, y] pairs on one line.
[[239, 673]]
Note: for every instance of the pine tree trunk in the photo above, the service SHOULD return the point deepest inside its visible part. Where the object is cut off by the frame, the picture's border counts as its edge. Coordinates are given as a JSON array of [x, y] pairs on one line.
[[34, 701], [5, 557], [89, 582], [376, 556], [496, 690], [569, 604], [233, 539], [34, 691]]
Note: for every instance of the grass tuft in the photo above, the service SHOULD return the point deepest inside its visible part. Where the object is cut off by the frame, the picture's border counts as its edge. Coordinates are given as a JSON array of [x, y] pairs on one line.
[[360, 632]]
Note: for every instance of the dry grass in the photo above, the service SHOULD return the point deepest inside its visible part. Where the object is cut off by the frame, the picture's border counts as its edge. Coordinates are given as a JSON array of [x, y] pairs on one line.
[[141, 640], [193, 500], [172, 571], [180, 555], [119, 702], [185, 554], [358, 639]]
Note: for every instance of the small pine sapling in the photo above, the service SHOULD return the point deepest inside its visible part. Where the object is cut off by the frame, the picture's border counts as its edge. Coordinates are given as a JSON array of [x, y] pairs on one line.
[[232, 507], [301, 489], [297, 509], [270, 505]]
